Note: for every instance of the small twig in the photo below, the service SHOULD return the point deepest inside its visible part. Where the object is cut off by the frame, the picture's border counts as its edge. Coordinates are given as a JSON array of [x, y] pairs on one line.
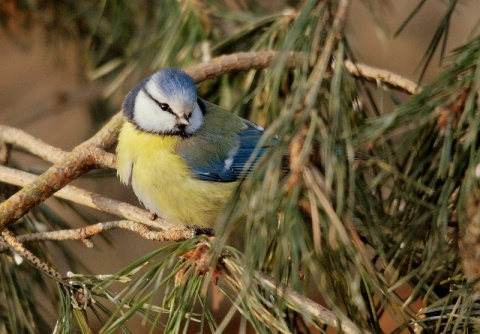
[[20, 138], [76, 163], [34, 145], [316, 311], [241, 61], [257, 60], [292, 298], [90, 199], [469, 241], [387, 77], [173, 234], [16, 246]]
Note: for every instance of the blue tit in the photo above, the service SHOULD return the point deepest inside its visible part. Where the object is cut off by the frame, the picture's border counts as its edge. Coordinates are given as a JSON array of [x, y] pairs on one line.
[[182, 155]]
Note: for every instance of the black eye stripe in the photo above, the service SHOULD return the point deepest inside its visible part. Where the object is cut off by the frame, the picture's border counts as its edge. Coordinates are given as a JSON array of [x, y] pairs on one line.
[[163, 106]]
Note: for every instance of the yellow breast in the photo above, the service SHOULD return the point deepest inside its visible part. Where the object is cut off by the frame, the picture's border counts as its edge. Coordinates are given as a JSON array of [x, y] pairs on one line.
[[163, 182]]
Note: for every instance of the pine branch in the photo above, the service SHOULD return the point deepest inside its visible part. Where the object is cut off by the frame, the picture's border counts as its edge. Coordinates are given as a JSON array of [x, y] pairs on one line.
[[314, 310]]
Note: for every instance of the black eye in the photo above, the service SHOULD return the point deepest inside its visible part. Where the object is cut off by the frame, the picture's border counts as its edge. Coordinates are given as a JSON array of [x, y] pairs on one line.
[[164, 106]]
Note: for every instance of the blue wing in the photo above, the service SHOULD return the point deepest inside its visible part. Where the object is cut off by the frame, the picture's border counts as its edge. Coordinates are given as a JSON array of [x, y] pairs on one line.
[[229, 164], [248, 141]]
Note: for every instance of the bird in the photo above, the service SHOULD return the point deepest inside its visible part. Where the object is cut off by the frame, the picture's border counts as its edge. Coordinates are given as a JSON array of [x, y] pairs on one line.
[[182, 155]]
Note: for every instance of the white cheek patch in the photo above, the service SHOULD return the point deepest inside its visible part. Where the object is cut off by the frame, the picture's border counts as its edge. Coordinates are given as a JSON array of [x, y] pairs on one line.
[[149, 117], [196, 120]]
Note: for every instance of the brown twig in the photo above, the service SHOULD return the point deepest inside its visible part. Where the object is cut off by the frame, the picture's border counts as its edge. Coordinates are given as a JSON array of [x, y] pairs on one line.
[[20, 138], [90, 199], [314, 310], [34, 145], [384, 76], [13, 243], [74, 164], [469, 241], [173, 234], [241, 61], [292, 298], [257, 60]]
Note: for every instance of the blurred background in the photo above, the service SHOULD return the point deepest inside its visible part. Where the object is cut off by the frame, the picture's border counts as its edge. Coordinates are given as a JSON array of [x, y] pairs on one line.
[[50, 89]]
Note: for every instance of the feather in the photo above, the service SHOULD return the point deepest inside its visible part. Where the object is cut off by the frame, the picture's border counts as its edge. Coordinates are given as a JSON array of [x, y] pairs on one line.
[[220, 149]]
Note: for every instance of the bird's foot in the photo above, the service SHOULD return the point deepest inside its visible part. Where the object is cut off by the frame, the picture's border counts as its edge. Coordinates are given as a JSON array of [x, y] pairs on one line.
[[196, 231]]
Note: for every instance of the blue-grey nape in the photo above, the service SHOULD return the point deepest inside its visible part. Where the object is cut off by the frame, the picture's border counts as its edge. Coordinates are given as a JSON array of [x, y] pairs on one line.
[[128, 105], [174, 83]]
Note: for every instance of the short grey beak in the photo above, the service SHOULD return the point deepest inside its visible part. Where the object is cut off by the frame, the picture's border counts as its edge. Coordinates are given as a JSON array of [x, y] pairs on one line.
[[183, 121]]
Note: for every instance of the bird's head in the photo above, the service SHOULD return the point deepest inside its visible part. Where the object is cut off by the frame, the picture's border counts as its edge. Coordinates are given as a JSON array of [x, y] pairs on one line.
[[165, 103]]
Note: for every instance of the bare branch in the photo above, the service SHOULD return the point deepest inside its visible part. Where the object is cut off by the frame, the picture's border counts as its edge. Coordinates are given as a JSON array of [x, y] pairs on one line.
[[258, 60], [469, 241], [16, 246], [316, 311], [90, 199], [20, 138], [76, 163], [241, 61], [387, 77], [34, 145], [173, 234]]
